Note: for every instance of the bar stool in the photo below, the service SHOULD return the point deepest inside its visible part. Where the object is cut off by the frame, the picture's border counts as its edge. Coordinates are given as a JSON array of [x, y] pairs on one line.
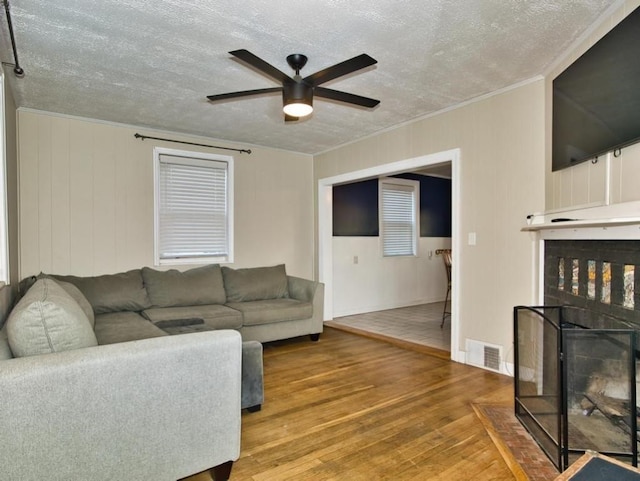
[[446, 258]]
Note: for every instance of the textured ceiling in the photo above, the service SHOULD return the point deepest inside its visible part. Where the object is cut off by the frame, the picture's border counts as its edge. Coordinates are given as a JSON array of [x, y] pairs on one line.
[[152, 63]]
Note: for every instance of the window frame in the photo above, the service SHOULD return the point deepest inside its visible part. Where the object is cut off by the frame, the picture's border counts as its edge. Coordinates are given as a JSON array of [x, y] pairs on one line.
[[404, 185], [5, 274], [193, 158]]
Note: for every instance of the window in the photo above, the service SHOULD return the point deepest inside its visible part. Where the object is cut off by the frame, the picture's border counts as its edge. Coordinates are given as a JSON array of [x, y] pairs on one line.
[[399, 220], [193, 207]]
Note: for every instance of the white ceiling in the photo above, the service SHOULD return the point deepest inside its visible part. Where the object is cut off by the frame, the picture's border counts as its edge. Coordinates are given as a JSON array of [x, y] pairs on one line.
[[152, 63]]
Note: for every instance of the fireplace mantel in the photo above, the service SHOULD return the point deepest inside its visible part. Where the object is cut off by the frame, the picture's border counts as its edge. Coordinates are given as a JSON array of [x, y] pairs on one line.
[[583, 223], [617, 221]]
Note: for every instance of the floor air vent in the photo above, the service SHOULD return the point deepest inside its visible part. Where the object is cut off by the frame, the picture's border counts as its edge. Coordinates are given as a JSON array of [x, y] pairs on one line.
[[484, 355], [492, 358]]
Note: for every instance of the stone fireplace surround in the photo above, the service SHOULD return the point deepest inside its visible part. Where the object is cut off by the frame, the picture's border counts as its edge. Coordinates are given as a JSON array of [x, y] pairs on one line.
[[591, 233], [581, 242], [590, 258], [599, 276]]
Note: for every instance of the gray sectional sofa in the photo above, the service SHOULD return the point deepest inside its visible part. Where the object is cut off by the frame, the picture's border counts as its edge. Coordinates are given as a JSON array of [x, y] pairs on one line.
[[96, 387], [263, 303], [161, 408]]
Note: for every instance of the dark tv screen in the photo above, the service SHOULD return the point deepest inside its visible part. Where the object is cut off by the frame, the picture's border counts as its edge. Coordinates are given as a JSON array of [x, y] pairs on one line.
[[596, 100]]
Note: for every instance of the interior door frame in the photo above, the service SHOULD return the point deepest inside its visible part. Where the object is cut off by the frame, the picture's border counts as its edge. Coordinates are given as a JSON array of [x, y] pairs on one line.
[[325, 226]]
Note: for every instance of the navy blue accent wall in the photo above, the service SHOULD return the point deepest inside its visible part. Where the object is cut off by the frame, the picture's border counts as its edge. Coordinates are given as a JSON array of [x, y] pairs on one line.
[[355, 207], [435, 205]]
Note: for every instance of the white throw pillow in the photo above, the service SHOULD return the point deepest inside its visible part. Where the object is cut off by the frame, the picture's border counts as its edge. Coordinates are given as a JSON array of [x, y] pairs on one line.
[[47, 319]]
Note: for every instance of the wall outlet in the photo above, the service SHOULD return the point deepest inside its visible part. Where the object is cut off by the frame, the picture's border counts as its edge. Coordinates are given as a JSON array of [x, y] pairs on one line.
[[355, 259], [472, 238]]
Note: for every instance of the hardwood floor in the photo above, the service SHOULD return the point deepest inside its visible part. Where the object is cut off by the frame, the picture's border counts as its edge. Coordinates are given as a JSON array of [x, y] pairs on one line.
[[352, 408]]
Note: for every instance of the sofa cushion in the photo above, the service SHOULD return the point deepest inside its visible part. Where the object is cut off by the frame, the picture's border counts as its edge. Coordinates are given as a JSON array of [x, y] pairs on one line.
[[272, 310], [195, 287], [112, 292], [82, 301], [255, 283], [113, 327], [47, 319], [214, 315], [5, 349]]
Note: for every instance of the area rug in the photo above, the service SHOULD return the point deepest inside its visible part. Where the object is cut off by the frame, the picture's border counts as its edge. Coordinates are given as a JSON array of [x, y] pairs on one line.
[[519, 450]]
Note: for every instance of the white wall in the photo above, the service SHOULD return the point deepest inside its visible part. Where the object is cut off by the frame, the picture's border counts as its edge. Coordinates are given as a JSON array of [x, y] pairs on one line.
[[611, 180], [501, 141], [376, 283], [86, 199]]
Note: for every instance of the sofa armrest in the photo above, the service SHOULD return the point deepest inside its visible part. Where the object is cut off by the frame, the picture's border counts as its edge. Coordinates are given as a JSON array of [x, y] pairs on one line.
[[309, 291], [302, 289], [161, 409]]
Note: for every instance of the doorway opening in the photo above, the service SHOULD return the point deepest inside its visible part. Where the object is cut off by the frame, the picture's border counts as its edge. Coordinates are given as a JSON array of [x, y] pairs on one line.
[[325, 224]]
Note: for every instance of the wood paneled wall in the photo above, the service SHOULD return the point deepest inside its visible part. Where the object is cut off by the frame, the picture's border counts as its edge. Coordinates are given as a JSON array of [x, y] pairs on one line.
[[86, 199]]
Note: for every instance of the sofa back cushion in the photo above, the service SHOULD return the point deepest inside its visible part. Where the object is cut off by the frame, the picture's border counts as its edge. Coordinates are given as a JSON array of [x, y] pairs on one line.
[[196, 287], [255, 283], [112, 292], [47, 319]]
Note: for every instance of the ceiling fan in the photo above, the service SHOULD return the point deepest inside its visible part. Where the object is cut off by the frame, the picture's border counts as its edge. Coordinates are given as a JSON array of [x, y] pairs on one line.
[[298, 92]]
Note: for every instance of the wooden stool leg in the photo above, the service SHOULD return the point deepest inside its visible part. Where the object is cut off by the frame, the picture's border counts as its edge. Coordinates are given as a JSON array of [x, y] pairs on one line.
[[444, 309]]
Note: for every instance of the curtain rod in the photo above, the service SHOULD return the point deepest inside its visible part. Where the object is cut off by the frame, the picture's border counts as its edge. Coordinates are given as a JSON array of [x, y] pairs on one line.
[[17, 70], [142, 137]]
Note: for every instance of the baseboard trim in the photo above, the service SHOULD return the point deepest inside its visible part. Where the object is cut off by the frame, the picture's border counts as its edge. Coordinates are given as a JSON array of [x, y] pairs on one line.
[[412, 346]]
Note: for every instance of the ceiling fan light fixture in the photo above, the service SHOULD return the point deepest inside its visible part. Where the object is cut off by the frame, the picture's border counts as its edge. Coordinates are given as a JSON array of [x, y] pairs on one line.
[[297, 109], [297, 99]]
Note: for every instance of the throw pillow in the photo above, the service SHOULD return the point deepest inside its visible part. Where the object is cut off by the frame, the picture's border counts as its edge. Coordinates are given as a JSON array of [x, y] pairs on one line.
[[255, 283], [82, 301], [5, 349], [47, 320], [194, 287]]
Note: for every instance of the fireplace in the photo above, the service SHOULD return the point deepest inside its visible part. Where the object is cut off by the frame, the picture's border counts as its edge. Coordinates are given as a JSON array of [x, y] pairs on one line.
[[575, 357]]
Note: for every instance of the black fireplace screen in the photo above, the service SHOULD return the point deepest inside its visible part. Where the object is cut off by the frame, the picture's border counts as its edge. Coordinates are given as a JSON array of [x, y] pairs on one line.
[[575, 382]]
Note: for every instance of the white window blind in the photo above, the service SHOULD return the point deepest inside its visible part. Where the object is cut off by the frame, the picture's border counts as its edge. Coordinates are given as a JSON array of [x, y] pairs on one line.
[[398, 217], [193, 214]]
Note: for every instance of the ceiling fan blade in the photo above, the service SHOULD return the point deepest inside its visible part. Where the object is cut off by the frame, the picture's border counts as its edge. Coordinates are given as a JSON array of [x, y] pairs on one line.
[[244, 93], [345, 97], [261, 65], [340, 69]]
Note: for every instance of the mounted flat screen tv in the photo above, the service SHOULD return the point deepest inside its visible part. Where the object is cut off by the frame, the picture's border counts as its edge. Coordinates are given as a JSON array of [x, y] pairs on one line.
[[596, 100]]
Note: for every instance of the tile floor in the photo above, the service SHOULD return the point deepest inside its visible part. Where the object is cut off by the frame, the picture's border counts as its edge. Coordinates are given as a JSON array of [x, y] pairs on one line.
[[419, 324]]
